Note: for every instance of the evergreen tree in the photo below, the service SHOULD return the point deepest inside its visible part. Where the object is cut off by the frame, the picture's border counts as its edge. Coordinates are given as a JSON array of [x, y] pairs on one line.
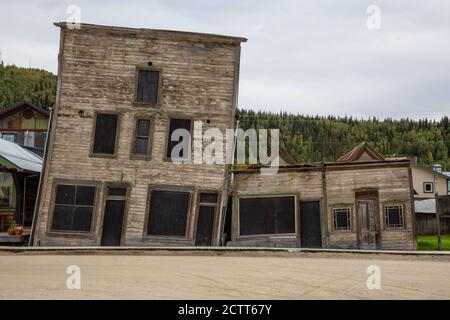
[[24, 84]]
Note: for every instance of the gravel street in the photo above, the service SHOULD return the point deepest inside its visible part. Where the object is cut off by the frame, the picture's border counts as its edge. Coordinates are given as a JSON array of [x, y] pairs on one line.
[[305, 276]]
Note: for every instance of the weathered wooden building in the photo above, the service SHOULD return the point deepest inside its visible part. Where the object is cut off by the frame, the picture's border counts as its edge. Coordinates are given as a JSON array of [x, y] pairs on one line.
[[108, 177], [362, 200]]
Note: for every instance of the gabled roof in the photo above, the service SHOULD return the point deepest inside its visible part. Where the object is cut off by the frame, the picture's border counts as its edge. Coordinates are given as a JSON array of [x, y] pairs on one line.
[[286, 157], [13, 156], [20, 106], [357, 153]]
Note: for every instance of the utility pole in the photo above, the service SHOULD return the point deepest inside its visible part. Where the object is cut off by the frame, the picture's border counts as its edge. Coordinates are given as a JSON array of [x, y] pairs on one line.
[[438, 222]]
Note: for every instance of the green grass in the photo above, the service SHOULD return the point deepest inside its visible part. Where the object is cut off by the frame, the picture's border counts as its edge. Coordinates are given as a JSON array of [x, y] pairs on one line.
[[429, 243]]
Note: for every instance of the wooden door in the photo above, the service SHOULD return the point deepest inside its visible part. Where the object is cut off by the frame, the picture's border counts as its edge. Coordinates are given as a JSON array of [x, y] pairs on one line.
[[367, 224], [113, 222], [310, 231], [205, 224]]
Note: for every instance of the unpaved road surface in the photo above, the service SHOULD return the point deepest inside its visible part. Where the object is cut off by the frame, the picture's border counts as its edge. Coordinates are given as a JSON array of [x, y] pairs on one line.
[[222, 277]]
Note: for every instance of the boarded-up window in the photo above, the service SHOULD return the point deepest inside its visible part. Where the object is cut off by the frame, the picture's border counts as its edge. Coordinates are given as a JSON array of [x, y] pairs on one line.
[[147, 86], [394, 216], [271, 215], [142, 138], [342, 218], [105, 134], [174, 125], [73, 208], [168, 213]]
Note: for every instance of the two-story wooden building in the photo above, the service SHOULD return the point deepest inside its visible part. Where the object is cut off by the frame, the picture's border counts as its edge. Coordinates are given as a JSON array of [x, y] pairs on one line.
[[108, 176]]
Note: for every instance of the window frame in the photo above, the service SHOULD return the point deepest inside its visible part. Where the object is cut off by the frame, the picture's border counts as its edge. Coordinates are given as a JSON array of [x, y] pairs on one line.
[[349, 217], [385, 215], [217, 205], [428, 183], [136, 85], [148, 156], [95, 207], [166, 142], [116, 144], [170, 188]]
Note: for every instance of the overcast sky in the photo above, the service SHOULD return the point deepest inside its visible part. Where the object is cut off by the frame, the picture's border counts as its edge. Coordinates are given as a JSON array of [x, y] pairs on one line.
[[309, 57]]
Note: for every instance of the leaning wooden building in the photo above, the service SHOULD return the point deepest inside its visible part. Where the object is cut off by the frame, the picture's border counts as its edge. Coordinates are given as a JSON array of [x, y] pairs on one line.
[[108, 177]]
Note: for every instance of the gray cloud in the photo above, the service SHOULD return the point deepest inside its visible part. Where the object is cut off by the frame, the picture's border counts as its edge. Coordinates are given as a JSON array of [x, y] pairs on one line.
[[312, 57]]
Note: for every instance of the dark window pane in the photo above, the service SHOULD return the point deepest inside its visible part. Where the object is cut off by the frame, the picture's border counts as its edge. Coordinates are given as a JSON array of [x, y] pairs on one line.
[[208, 198], [267, 215], [85, 196], [341, 219], [394, 216], [176, 124], [62, 218], [143, 128], [168, 213], [147, 90], [65, 194], [82, 219], [141, 146], [117, 191], [71, 217], [105, 134]]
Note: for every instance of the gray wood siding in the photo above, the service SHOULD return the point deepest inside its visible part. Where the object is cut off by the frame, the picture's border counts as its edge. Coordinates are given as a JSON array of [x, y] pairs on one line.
[[391, 183]]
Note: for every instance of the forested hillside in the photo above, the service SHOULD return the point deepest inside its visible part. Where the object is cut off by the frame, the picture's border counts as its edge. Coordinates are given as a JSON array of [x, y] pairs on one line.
[[307, 138], [316, 138], [24, 84]]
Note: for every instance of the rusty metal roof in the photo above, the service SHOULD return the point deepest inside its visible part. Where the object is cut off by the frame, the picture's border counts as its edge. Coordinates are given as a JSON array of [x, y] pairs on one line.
[[356, 152]]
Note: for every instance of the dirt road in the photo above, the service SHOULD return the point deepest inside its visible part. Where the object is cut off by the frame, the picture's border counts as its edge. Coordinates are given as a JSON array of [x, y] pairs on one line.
[[222, 277]]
